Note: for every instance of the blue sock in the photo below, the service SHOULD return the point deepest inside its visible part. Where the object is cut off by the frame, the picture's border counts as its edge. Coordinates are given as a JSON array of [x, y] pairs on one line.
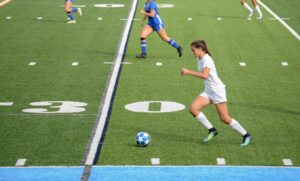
[[173, 43], [70, 15], [74, 10], [143, 46]]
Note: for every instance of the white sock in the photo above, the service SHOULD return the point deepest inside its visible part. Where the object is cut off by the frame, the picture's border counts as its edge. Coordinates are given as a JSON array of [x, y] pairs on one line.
[[203, 120], [236, 126], [258, 10], [248, 7]]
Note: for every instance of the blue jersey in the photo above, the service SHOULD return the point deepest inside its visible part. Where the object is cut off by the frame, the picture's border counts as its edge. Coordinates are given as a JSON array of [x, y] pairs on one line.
[[156, 20]]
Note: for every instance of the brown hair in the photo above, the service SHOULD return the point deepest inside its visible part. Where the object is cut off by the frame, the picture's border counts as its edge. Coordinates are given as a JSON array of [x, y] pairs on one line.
[[201, 44]]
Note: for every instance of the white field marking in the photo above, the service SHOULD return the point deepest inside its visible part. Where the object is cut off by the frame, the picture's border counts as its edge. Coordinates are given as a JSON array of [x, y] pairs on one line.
[[189, 19], [159, 64], [32, 63], [21, 162], [155, 161], [243, 64], [127, 63], [75, 64], [272, 19], [109, 94], [165, 5], [8, 17], [39, 18], [287, 162], [165, 107], [284, 64], [76, 6], [6, 103], [99, 18], [109, 5], [221, 161], [219, 19], [60, 114], [280, 20]]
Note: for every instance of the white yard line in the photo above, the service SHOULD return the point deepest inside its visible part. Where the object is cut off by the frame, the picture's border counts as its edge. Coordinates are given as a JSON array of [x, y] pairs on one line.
[[296, 35], [109, 94]]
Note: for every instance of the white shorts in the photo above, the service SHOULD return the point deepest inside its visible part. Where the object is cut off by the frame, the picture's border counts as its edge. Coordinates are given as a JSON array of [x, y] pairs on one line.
[[215, 97]]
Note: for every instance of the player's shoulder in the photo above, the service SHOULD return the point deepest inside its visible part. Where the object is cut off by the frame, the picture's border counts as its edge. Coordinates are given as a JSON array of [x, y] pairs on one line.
[[153, 4]]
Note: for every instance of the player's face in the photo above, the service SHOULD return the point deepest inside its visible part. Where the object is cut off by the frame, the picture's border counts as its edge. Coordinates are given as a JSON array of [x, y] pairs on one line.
[[197, 52]]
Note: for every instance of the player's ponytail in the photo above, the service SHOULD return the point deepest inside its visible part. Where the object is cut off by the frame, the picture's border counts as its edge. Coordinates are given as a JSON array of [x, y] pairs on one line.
[[201, 44]]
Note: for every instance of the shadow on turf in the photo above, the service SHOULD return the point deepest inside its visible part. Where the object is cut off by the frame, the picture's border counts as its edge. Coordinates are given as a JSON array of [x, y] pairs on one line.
[[267, 108]]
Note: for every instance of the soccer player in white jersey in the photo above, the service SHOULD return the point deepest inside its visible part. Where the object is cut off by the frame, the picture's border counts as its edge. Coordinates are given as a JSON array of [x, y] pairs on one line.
[[214, 92], [4, 2], [251, 11]]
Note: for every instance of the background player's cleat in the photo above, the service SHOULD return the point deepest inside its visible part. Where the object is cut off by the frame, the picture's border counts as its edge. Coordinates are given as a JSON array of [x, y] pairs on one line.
[[260, 17], [142, 55], [247, 140], [179, 50], [210, 136], [251, 14], [79, 11], [71, 22]]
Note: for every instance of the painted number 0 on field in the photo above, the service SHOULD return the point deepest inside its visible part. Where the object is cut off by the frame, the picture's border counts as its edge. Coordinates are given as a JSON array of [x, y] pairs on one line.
[[57, 107], [164, 107]]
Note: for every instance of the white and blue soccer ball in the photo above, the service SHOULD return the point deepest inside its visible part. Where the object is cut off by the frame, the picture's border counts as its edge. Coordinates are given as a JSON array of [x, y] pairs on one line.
[[143, 139]]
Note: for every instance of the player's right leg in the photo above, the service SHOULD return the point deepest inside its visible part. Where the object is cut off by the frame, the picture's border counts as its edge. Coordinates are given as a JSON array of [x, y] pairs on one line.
[[199, 103], [68, 9], [245, 4], [147, 30], [163, 35], [254, 3]]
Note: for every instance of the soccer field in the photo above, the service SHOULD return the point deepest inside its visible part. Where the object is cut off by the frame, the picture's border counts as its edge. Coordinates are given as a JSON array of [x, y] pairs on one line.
[[55, 83], [263, 95]]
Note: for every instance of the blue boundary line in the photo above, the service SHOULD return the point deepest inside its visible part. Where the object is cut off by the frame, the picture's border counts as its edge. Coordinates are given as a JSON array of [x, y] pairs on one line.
[[152, 173]]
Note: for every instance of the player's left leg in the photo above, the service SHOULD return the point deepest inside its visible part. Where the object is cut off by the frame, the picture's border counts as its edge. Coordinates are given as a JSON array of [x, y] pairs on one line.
[[245, 4], [223, 114], [254, 3], [163, 35]]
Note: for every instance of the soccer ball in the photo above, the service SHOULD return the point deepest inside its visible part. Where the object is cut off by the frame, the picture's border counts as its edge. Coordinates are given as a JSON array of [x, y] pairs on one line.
[[143, 139]]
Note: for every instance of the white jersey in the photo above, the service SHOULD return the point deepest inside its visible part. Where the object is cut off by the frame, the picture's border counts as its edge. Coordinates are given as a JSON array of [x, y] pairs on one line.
[[213, 83]]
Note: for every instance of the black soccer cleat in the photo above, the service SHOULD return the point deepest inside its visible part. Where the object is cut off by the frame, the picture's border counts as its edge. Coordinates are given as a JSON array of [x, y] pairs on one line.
[[247, 140], [180, 50], [142, 55]]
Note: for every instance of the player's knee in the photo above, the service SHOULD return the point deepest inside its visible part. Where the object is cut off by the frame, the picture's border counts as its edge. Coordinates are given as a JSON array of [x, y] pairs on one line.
[[194, 110]]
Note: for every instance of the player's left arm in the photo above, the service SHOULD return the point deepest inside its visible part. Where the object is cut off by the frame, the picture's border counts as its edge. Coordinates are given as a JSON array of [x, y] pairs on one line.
[[203, 75]]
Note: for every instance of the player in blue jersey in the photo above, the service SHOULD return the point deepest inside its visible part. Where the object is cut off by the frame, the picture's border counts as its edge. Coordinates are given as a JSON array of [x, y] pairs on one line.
[[4, 2], [70, 10], [155, 23]]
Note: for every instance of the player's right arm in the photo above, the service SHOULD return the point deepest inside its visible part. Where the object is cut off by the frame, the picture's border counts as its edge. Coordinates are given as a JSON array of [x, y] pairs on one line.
[[203, 75]]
